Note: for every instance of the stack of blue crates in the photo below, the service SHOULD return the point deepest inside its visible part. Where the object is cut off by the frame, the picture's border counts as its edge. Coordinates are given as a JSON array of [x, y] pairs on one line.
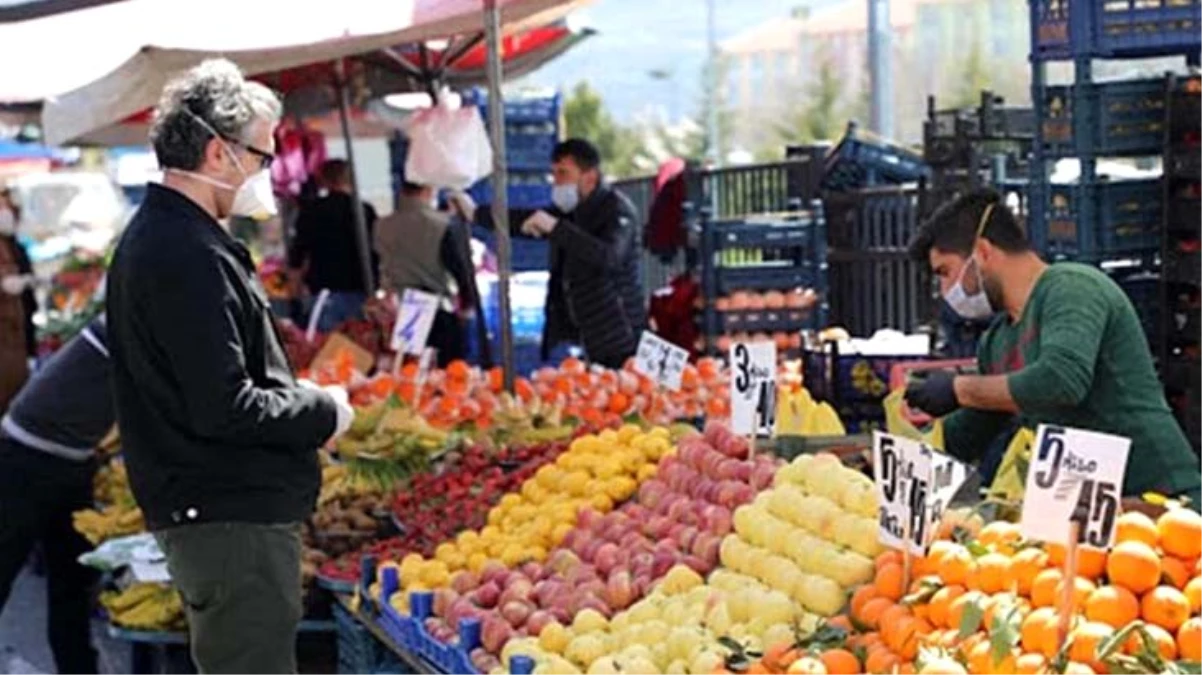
[[1098, 220], [531, 131]]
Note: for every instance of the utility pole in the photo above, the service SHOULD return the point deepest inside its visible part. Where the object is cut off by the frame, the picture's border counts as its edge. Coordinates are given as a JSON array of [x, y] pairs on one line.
[[711, 122], [879, 66]]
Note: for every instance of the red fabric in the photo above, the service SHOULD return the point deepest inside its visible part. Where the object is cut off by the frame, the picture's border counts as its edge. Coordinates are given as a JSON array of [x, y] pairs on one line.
[[299, 155], [672, 311], [665, 229]]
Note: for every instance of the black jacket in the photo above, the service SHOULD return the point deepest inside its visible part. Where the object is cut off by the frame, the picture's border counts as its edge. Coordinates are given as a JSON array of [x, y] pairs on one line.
[[213, 425], [595, 293], [326, 239]]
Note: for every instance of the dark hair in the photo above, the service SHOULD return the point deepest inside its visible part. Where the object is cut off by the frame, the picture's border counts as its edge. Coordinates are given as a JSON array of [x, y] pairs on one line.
[[411, 188], [335, 172], [580, 151], [953, 227]]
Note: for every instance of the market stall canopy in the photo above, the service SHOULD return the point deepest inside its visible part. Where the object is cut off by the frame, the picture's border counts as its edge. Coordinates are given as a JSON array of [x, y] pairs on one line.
[[256, 37]]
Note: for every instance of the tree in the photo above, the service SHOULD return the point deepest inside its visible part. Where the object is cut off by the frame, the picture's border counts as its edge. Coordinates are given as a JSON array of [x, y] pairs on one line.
[[585, 116], [820, 114], [976, 75], [714, 76]]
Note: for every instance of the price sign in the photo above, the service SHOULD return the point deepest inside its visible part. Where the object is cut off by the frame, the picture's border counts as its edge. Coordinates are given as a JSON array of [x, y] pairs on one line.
[[1074, 475], [413, 322], [753, 388], [660, 360], [914, 486]]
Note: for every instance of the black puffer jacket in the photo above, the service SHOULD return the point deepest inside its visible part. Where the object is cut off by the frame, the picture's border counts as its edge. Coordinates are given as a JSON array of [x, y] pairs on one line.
[[595, 295]]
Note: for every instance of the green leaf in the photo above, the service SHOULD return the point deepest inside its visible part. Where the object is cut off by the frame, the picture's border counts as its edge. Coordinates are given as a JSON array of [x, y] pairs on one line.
[[1003, 637], [976, 549], [1111, 645], [1190, 666], [970, 621], [731, 644]]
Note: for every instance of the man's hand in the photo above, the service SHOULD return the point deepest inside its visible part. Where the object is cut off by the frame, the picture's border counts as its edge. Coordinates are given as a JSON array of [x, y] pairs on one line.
[[15, 284], [539, 224], [935, 395]]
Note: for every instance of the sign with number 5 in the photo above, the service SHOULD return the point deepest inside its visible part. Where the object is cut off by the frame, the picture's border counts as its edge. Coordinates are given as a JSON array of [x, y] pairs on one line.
[[1074, 475]]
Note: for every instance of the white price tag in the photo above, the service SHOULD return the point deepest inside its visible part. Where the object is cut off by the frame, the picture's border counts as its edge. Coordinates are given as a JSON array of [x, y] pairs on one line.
[[1074, 474], [661, 360], [753, 388], [414, 319], [914, 485]]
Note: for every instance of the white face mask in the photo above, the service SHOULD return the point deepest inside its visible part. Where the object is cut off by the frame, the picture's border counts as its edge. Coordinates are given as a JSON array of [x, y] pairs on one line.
[[976, 306], [255, 198], [565, 197], [8, 222]]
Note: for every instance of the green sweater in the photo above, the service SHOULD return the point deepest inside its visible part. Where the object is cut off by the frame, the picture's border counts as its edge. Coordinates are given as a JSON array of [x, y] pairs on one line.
[[1078, 358]]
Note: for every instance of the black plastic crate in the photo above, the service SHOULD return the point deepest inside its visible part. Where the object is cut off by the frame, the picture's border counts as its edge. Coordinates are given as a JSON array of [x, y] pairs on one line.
[[862, 159], [1183, 265], [1063, 29], [1128, 217], [1108, 118]]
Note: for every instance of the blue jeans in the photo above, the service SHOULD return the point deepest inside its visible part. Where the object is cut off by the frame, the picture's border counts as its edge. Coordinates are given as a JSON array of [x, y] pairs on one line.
[[340, 307]]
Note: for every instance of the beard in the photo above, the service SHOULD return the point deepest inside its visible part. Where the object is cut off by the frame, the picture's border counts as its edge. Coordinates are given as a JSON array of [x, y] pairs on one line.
[[993, 292]]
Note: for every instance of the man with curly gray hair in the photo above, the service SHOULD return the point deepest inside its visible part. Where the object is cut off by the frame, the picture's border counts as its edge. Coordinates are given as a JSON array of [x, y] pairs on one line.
[[219, 438]]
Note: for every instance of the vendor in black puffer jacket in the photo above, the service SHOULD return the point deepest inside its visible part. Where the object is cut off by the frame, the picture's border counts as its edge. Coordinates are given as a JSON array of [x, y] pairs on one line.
[[595, 294]]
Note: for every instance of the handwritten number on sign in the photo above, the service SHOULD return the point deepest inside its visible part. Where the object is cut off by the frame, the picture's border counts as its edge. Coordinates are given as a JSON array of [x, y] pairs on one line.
[[1097, 506], [888, 468], [743, 376], [1053, 443], [918, 498], [766, 408]]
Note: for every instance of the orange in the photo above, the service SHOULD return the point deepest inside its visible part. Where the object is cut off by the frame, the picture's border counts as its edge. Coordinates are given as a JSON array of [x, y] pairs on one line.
[[1135, 526], [870, 614], [1114, 606], [1023, 567], [1039, 632], [779, 656], [861, 597], [1180, 533], [939, 607], [991, 572], [458, 370], [1084, 642], [955, 565], [888, 581], [840, 662], [1193, 593], [1030, 664], [937, 550], [889, 557], [955, 612], [1043, 589], [1135, 566], [1166, 646], [905, 638], [981, 661], [890, 619], [807, 665], [1166, 607], [1189, 640], [1174, 572], [1000, 536]]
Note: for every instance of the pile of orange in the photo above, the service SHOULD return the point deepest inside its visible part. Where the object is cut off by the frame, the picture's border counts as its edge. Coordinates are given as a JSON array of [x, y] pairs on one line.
[[1152, 575]]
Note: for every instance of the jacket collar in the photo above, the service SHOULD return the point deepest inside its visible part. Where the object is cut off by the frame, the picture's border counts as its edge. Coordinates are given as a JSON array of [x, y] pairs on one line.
[[159, 196]]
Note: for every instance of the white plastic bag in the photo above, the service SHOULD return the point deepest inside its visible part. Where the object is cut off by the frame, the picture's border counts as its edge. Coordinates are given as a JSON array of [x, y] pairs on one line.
[[448, 147]]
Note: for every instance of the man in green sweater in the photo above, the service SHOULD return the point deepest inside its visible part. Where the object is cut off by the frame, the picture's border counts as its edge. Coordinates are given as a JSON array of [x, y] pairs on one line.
[[1065, 348]]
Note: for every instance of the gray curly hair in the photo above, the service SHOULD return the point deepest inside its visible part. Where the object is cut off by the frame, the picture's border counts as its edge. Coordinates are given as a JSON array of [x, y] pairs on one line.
[[213, 93]]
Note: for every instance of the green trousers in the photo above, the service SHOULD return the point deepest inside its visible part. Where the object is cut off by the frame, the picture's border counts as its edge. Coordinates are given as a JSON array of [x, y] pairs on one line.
[[241, 586]]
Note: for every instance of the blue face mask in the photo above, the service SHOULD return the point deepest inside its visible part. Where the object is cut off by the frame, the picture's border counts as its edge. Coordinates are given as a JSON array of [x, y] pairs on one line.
[[565, 197]]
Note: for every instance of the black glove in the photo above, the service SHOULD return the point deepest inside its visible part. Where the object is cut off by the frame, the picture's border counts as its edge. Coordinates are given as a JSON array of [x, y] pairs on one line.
[[935, 395]]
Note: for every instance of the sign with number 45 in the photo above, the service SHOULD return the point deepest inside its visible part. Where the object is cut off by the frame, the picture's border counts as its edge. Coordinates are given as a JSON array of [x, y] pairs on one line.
[[753, 388], [1075, 475]]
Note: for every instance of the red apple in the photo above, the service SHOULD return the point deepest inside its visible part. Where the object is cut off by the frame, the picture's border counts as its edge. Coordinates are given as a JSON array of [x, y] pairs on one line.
[[619, 590], [486, 596], [516, 612], [590, 601], [538, 621], [465, 582], [494, 633], [606, 558], [443, 599]]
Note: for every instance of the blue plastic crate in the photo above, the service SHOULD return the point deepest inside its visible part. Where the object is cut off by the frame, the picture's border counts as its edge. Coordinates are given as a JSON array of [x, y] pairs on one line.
[[862, 159], [526, 195], [526, 254], [530, 151], [1063, 29], [359, 651], [1127, 218], [519, 109], [1110, 118]]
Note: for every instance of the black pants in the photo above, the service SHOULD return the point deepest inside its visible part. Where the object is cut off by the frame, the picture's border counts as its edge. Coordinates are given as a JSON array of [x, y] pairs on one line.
[[446, 335], [38, 494]]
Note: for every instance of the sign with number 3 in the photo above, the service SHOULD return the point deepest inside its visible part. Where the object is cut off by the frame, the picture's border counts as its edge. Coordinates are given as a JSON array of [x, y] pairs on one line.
[[1075, 475]]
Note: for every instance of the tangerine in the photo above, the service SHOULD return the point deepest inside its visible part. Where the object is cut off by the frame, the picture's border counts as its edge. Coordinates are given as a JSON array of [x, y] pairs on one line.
[[881, 660], [1174, 572], [991, 572], [1039, 632], [1000, 536], [1090, 563], [840, 662], [1180, 533], [888, 581], [940, 605], [1166, 607], [1082, 589], [1114, 606], [871, 612], [861, 597], [1189, 640], [1024, 566], [1134, 566], [955, 565], [1193, 593], [1166, 646], [1030, 664], [1043, 589], [981, 661], [955, 612], [1135, 526], [1085, 640]]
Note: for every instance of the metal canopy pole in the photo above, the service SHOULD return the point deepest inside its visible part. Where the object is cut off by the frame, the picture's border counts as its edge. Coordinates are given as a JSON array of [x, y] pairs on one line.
[[361, 237], [500, 182]]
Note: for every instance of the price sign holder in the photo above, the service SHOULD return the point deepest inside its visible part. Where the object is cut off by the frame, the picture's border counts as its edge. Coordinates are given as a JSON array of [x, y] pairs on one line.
[[753, 389], [660, 361], [415, 318], [1074, 487]]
